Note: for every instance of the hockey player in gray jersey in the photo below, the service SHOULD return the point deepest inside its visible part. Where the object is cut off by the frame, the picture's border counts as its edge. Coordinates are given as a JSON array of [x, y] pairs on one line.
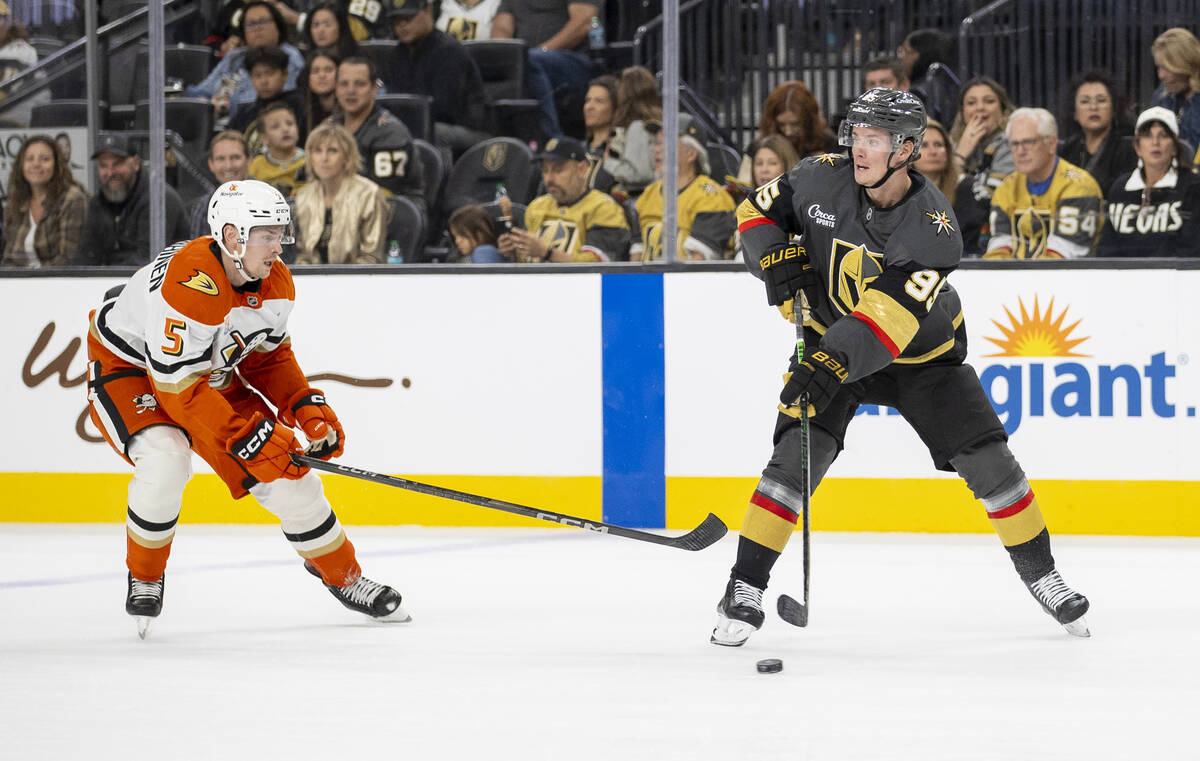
[[881, 326]]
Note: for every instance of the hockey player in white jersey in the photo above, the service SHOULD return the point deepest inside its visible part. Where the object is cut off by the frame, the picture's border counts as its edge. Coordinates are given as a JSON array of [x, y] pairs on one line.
[[180, 361]]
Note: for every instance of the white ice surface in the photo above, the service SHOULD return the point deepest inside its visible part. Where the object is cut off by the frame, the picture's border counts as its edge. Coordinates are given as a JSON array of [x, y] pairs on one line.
[[556, 644]]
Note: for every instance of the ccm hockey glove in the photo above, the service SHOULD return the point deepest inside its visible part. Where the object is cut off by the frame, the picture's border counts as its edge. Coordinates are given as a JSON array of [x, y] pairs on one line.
[[819, 375], [308, 411], [265, 450], [786, 269]]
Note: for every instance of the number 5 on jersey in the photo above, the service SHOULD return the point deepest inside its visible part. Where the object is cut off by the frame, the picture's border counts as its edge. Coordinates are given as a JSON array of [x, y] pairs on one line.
[[391, 163], [173, 332]]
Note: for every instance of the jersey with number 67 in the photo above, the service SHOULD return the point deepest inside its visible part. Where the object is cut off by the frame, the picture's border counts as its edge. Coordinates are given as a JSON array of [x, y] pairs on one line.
[[389, 156], [884, 295]]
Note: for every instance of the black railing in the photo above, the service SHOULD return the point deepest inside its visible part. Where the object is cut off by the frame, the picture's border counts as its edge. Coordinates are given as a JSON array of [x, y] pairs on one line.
[[735, 52]]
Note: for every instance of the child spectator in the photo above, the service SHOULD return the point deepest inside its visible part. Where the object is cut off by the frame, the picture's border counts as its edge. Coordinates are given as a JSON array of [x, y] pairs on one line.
[[268, 73], [283, 157], [474, 235], [316, 83], [340, 215], [934, 160]]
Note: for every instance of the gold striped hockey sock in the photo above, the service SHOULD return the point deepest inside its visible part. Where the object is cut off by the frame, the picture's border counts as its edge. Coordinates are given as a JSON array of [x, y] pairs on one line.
[[768, 525]]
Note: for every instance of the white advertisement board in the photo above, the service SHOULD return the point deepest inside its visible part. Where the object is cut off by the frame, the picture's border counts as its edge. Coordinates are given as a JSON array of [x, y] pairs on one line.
[[501, 374]]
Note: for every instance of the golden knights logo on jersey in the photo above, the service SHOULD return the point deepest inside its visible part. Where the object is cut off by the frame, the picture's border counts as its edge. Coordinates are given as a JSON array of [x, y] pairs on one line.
[[851, 269], [562, 234], [1032, 231], [462, 29]]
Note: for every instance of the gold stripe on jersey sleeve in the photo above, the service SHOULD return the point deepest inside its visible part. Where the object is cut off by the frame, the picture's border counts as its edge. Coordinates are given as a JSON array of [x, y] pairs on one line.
[[936, 352], [747, 211], [893, 319]]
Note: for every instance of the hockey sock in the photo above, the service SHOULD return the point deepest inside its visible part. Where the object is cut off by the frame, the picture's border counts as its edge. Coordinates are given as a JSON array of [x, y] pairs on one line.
[[147, 546], [338, 567], [768, 525], [1018, 521]]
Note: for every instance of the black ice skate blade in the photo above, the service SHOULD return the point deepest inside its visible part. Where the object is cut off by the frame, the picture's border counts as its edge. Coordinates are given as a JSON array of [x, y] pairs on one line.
[[792, 611]]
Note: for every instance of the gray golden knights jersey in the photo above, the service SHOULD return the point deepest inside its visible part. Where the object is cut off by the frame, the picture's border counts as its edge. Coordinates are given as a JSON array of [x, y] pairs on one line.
[[884, 295]]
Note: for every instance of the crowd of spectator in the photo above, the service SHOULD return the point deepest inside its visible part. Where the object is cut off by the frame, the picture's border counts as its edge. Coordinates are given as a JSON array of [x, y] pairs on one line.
[[299, 100]]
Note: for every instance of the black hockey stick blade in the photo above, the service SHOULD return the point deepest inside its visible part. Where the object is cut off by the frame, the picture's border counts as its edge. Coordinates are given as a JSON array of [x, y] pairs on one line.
[[709, 531], [792, 611]]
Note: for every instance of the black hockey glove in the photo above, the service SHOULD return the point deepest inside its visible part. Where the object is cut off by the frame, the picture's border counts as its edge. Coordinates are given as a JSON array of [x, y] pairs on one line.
[[786, 269], [819, 375]]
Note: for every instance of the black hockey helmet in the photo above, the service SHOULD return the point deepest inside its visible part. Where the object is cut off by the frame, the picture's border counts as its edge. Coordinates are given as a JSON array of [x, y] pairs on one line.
[[900, 113]]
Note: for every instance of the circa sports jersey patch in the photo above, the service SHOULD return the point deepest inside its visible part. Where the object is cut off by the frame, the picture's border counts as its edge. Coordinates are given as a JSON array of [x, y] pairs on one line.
[[940, 220], [200, 281]]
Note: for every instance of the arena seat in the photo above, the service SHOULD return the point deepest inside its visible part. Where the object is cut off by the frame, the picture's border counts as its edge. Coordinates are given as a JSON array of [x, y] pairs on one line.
[[478, 172], [407, 227], [416, 111]]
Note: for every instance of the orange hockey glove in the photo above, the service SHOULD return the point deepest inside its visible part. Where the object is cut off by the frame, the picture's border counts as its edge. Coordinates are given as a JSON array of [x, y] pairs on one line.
[[265, 449], [308, 411]]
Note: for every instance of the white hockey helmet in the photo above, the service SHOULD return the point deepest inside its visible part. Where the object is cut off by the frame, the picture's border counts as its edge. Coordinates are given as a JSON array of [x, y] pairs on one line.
[[247, 204]]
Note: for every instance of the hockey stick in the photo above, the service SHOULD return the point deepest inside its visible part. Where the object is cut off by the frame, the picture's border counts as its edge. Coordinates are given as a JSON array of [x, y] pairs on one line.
[[796, 613], [710, 529]]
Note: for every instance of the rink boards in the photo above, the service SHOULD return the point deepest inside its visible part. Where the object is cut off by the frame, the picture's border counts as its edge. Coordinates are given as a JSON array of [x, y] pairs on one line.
[[649, 399]]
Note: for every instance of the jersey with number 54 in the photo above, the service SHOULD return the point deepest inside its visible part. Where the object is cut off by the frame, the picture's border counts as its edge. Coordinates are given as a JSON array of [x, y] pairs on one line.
[[884, 295]]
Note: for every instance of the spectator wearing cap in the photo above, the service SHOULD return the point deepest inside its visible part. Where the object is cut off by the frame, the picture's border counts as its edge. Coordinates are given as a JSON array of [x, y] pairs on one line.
[[557, 32], [1155, 209], [706, 212], [571, 222], [117, 231], [228, 85], [229, 161], [427, 61], [1048, 208], [388, 155]]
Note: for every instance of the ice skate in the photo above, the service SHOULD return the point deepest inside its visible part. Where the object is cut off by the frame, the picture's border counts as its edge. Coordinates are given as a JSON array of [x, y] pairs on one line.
[[1064, 604], [739, 614], [144, 601], [379, 601]]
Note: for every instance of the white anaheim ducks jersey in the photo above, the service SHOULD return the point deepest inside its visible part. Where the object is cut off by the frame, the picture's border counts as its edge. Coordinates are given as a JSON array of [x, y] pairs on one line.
[[182, 321]]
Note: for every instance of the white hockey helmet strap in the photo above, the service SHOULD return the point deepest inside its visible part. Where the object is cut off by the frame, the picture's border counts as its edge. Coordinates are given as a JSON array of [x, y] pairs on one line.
[[247, 204]]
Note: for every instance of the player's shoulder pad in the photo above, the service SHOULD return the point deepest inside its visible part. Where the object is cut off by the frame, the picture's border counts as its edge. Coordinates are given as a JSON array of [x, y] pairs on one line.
[[929, 234], [195, 284]]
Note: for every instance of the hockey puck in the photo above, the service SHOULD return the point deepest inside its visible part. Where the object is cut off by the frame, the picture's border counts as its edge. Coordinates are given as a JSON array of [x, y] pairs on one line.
[[769, 666]]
